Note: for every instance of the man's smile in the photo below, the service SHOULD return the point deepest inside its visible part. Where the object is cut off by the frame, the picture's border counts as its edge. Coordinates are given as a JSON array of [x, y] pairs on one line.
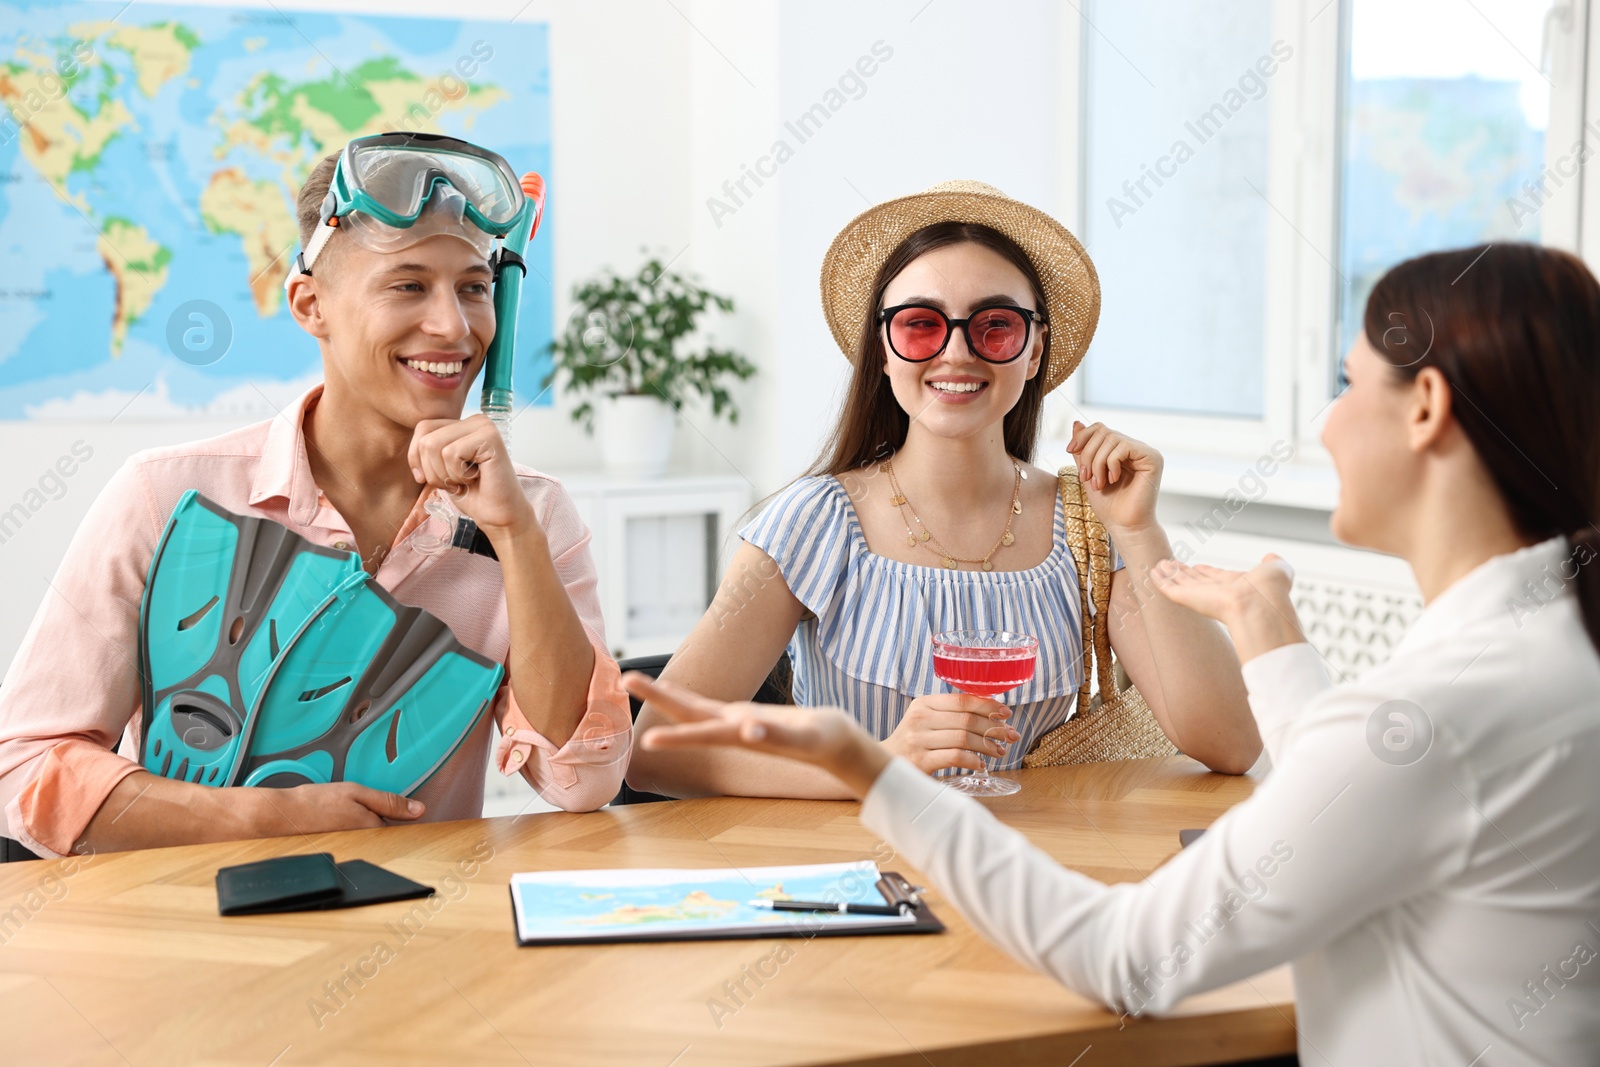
[[437, 370]]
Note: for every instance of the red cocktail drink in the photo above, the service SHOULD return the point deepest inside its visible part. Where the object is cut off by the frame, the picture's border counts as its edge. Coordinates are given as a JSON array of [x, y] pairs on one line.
[[984, 663]]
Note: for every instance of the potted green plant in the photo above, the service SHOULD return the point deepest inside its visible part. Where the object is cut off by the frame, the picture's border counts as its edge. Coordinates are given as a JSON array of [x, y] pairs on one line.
[[625, 346]]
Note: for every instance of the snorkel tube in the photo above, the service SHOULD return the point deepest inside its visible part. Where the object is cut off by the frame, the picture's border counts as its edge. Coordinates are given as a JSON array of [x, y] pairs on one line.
[[495, 401], [497, 361]]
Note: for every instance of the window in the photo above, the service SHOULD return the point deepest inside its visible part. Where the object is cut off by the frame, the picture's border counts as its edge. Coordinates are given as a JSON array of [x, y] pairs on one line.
[[1442, 135], [1175, 151], [1247, 171]]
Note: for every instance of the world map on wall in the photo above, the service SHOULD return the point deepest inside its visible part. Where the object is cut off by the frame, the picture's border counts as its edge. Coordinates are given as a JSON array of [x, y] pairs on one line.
[[149, 161]]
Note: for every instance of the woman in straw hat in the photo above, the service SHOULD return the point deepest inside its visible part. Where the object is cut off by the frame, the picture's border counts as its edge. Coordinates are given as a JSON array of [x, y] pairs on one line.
[[960, 309]]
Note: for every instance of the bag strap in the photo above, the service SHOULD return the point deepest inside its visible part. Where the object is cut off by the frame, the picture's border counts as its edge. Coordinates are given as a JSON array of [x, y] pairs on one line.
[[1100, 592], [1091, 554]]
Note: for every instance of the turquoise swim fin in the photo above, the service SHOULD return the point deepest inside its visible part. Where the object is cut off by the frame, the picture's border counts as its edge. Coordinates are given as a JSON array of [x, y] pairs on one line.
[[224, 595], [368, 691]]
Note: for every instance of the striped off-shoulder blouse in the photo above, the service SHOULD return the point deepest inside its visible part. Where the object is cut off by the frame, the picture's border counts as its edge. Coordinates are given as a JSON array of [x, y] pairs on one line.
[[866, 645]]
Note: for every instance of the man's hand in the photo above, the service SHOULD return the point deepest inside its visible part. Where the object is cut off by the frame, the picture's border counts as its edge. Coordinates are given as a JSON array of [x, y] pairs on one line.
[[468, 459], [145, 810], [316, 809]]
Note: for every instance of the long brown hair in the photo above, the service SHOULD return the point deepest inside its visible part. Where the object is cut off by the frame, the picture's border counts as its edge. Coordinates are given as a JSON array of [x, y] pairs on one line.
[[873, 425], [1515, 331]]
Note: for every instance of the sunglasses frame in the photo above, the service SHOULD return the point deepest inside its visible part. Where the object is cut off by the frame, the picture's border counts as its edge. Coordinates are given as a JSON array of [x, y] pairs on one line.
[[1028, 317]]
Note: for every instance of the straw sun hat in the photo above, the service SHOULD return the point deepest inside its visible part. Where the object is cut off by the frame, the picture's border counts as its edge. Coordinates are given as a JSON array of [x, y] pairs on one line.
[[1071, 286]]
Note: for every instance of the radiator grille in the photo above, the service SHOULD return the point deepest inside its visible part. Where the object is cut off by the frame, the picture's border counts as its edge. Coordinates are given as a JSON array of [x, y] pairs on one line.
[[1354, 627]]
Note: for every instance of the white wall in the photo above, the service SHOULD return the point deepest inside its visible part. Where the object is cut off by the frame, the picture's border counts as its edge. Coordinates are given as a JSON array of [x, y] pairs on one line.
[[966, 94], [935, 109]]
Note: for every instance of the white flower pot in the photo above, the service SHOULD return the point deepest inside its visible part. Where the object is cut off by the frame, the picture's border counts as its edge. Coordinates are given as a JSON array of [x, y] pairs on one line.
[[635, 435]]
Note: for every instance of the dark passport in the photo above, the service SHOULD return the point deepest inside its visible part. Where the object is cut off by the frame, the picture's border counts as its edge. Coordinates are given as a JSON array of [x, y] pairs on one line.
[[367, 883], [307, 883], [280, 884]]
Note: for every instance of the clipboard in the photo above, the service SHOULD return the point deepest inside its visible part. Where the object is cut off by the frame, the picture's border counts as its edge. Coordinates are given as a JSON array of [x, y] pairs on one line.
[[622, 906]]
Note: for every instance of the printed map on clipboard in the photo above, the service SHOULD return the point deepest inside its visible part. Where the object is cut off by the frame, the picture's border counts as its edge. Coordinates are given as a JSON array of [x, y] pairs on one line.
[[630, 905]]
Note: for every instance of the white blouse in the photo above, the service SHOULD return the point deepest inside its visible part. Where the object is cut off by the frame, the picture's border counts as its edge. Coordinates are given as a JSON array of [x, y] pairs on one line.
[[1425, 850]]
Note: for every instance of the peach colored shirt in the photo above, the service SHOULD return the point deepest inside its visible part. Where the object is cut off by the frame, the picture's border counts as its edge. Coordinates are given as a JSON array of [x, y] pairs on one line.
[[73, 687]]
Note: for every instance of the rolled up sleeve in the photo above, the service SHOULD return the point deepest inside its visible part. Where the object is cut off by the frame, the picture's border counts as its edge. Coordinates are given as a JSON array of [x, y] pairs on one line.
[[72, 780], [587, 771]]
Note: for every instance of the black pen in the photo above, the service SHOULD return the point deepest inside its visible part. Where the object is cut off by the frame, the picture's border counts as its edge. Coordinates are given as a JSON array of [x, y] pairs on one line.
[[840, 909]]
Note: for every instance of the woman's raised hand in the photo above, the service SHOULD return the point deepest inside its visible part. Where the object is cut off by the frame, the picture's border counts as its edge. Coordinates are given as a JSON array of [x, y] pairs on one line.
[[825, 737], [1122, 476], [951, 730]]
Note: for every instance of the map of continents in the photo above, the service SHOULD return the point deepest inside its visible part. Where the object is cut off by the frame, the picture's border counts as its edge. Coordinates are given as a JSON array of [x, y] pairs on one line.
[[149, 160]]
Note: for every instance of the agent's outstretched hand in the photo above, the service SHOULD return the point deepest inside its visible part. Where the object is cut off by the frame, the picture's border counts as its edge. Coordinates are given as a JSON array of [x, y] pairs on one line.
[[1254, 605], [825, 737]]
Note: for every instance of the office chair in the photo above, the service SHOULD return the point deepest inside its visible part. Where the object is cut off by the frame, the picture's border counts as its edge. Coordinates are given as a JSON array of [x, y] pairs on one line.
[[12, 851], [775, 690]]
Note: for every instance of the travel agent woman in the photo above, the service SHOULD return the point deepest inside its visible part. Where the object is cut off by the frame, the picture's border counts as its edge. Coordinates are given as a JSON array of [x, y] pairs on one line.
[[960, 308], [1426, 850]]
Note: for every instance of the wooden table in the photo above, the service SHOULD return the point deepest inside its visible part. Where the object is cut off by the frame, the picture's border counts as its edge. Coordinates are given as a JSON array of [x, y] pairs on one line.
[[122, 959]]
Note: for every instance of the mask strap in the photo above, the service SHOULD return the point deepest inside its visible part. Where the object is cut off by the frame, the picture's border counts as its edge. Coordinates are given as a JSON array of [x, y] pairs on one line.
[[308, 255]]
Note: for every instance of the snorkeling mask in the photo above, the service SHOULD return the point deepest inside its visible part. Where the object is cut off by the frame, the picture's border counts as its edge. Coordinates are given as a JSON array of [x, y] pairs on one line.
[[390, 191]]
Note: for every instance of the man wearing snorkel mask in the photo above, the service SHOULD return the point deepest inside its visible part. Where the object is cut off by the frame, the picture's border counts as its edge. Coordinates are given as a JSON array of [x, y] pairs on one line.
[[401, 234]]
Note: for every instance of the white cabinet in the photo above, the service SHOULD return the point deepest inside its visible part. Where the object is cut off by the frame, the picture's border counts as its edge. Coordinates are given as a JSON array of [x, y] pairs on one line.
[[660, 546]]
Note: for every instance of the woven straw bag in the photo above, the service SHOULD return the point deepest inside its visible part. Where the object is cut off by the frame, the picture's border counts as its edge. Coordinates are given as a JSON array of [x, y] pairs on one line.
[[1115, 723]]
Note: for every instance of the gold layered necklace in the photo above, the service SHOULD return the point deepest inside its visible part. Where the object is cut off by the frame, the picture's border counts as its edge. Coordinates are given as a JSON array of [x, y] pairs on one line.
[[924, 538]]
